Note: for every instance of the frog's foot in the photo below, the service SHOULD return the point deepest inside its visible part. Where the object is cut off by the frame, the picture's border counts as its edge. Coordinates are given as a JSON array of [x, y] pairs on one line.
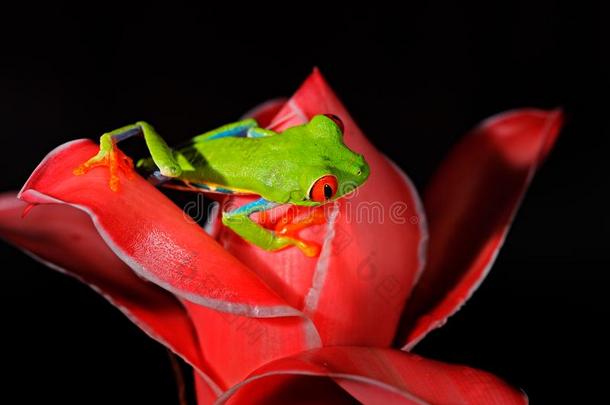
[[112, 157], [287, 227]]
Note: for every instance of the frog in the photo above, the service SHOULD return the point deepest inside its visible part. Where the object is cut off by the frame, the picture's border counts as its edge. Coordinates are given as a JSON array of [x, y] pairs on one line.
[[303, 165]]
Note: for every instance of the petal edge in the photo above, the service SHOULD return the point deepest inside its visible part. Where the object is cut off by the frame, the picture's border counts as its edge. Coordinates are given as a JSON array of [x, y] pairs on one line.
[[471, 203]]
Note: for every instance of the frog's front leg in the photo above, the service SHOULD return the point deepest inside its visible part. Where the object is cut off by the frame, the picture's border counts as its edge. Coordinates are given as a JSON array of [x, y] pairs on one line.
[[109, 155], [240, 222]]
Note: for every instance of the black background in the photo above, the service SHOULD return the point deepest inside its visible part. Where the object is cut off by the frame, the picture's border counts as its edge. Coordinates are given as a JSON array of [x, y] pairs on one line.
[[415, 79]]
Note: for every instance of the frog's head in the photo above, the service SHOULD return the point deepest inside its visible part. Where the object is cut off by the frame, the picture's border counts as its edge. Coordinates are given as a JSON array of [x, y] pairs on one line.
[[329, 169]]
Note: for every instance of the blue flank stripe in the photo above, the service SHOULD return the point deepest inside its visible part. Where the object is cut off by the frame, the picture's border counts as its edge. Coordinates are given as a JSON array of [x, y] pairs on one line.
[[212, 188], [253, 133], [237, 131], [202, 186]]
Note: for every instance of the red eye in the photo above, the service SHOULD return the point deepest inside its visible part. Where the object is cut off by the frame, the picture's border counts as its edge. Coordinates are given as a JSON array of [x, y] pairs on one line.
[[323, 189], [336, 120]]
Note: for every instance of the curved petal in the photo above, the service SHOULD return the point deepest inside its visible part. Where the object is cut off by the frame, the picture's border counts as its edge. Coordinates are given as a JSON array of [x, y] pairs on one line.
[[265, 112], [372, 245], [152, 235], [233, 345], [471, 202], [64, 238], [205, 394], [376, 376]]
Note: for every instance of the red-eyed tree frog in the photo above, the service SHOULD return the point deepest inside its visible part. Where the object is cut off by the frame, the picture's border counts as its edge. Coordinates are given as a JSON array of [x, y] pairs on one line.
[[306, 165]]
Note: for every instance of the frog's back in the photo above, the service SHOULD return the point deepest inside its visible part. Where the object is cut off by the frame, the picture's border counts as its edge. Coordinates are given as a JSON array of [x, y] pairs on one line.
[[237, 162]]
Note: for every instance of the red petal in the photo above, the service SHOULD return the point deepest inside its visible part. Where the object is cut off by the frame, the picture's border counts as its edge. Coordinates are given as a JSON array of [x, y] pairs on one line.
[[65, 239], [365, 267], [152, 235], [376, 376], [204, 392], [470, 203], [233, 346], [265, 112]]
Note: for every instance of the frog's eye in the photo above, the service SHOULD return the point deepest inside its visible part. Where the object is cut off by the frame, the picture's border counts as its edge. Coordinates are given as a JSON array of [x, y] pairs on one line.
[[323, 189], [336, 120]]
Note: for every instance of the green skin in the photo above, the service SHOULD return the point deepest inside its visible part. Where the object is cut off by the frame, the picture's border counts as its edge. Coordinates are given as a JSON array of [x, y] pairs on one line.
[[242, 158]]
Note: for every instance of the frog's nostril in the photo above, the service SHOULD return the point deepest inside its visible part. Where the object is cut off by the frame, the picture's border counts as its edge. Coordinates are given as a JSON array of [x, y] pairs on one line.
[[363, 171]]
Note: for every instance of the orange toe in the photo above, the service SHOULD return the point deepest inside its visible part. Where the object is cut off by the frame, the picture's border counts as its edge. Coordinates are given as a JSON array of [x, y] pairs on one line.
[[310, 249], [125, 163], [114, 160], [316, 217], [286, 227]]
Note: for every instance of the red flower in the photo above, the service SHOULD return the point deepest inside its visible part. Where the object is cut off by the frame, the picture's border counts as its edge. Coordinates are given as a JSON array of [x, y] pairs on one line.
[[262, 327]]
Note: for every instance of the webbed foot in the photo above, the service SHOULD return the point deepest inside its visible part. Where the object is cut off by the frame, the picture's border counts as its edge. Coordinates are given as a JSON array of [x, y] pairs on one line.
[[109, 156], [287, 227]]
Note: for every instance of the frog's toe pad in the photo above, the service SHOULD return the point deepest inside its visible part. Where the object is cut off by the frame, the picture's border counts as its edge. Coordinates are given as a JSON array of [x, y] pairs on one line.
[[309, 249]]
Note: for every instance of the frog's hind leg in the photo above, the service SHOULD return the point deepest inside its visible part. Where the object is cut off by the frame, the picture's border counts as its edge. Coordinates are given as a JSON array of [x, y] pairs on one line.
[[235, 129], [247, 128], [257, 132]]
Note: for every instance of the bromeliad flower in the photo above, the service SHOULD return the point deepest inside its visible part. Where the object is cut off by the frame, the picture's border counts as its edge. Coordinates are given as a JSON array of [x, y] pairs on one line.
[[261, 326]]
